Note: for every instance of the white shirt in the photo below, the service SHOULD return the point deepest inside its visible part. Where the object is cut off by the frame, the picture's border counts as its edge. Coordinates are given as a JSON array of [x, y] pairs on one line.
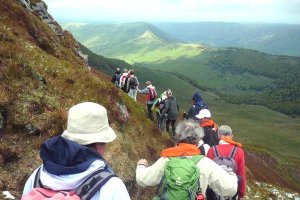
[[113, 189], [211, 174]]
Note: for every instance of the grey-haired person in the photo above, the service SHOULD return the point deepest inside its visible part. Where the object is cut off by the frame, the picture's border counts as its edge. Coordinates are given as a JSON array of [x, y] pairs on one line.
[[188, 134], [171, 109]]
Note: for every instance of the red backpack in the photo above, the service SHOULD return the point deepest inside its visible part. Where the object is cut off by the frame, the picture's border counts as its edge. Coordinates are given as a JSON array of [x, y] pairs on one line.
[[85, 191], [152, 94]]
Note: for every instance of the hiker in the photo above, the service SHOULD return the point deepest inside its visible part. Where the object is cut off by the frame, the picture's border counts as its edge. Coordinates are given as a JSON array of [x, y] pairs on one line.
[[225, 148], [75, 155], [133, 84], [150, 97], [123, 79], [198, 104], [209, 126], [188, 134], [116, 77], [171, 110], [158, 106]]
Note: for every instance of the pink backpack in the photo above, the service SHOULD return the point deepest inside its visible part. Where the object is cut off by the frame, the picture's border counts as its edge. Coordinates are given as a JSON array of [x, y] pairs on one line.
[[43, 193], [85, 191]]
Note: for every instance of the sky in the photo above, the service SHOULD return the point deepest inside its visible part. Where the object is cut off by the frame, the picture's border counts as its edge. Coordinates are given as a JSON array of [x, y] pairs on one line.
[[241, 11]]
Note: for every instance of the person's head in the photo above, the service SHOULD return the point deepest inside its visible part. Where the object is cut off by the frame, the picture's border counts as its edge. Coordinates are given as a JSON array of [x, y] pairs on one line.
[[118, 69], [203, 115], [188, 131], [148, 83], [169, 93], [131, 72], [88, 125], [197, 97], [225, 131], [125, 70], [164, 95]]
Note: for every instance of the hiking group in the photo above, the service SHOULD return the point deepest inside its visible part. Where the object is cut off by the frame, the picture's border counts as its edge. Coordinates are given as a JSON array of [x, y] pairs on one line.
[[127, 81], [205, 163]]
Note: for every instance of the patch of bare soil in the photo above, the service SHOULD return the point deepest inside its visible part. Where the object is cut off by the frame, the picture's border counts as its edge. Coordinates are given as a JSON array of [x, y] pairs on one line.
[[264, 169]]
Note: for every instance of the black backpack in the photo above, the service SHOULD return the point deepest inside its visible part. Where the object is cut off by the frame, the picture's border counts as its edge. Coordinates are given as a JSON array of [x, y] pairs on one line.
[[133, 82], [228, 164], [126, 84]]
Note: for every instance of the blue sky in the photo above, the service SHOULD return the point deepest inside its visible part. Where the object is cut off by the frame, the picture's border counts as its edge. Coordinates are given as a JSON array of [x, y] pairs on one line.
[[270, 11]]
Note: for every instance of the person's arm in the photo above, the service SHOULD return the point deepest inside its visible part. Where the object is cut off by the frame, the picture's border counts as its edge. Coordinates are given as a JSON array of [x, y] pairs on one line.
[[190, 112], [166, 107], [210, 153], [29, 183], [150, 176], [113, 80], [241, 171], [114, 189], [144, 91], [137, 82]]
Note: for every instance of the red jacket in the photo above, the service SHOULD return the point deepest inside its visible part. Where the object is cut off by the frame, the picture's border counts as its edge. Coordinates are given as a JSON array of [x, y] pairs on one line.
[[224, 150]]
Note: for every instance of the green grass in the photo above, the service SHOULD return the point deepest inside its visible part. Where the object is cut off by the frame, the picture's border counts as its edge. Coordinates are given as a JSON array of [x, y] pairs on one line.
[[258, 128]]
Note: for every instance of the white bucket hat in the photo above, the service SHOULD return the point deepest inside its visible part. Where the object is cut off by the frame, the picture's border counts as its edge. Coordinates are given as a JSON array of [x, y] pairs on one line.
[[87, 124], [204, 113]]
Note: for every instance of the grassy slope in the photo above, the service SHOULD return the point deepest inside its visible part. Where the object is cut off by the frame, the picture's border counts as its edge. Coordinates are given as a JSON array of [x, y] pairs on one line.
[[35, 110], [258, 128]]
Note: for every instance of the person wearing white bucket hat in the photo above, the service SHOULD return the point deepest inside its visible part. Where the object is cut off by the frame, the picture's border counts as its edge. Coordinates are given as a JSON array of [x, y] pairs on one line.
[[88, 124], [209, 126], [69, 159]]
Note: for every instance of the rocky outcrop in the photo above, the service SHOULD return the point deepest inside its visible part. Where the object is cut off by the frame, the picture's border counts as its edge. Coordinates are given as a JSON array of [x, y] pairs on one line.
[[40, 9], [25, 4]]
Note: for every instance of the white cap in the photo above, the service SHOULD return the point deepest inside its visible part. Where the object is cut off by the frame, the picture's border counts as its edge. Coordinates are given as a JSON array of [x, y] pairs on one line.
[[88, 123], [204, 113]]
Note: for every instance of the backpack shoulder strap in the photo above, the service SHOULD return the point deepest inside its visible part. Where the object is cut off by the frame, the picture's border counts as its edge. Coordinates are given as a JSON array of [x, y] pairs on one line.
[[93, 183], [216, 151], [233, 152], [197, 158], [37, 181], [202, 149]]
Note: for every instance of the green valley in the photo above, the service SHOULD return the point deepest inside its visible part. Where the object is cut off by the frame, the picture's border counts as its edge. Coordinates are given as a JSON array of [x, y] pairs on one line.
[[236, 75]]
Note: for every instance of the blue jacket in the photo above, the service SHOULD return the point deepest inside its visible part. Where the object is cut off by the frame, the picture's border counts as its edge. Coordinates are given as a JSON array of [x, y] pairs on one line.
[[67, 164], [62, 156], [198, 105]]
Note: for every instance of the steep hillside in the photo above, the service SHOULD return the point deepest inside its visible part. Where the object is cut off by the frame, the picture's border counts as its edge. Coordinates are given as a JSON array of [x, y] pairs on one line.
[[109, 39], [278, 39], [258, 128], [43, 73], [240, 75], [42, 76]]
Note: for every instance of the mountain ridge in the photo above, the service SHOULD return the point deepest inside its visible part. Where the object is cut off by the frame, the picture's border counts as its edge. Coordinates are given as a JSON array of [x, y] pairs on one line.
[[240, 75], [277, 39]]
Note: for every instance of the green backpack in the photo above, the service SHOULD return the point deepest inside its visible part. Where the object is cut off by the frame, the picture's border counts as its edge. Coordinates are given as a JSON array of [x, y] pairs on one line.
[[181, 179]]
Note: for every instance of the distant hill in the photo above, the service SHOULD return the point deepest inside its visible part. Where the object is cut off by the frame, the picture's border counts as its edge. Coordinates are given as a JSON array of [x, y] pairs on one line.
[[43, 74], [237, 75], [110, 39], [277, 39]]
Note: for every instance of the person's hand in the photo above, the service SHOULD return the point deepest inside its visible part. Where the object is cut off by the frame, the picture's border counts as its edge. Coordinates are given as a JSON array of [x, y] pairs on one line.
[[143, 162]]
